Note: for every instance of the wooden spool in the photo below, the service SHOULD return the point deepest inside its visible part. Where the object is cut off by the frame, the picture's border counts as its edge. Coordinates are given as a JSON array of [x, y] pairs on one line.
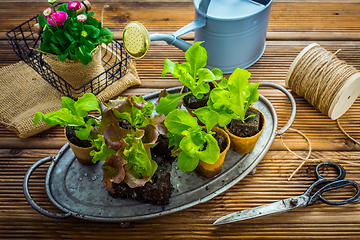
[[345, 97]]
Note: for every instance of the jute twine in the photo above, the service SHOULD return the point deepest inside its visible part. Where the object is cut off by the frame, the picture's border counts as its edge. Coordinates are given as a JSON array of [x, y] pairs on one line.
[[318, 76]]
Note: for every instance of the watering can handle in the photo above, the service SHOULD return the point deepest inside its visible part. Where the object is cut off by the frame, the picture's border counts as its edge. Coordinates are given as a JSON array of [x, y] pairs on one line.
[[198, 23], [293, 105]]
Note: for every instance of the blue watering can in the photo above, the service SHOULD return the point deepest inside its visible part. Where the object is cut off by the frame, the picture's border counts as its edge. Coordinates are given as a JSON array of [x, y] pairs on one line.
[[233, 31]]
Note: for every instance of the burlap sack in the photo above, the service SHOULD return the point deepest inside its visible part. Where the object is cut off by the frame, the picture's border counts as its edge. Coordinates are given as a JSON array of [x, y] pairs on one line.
[[23, 92], [73, 71]]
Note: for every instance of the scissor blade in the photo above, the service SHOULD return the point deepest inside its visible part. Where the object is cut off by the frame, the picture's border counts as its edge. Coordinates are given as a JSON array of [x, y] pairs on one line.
[[272, 208]]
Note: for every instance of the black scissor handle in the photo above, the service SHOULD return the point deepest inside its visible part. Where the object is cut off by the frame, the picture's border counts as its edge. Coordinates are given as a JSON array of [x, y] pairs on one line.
[[335, 185], [341, 171], [321, 180]]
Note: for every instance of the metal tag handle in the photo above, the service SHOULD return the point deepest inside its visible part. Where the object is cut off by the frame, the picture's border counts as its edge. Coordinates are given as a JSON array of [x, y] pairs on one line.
[[293, 105]]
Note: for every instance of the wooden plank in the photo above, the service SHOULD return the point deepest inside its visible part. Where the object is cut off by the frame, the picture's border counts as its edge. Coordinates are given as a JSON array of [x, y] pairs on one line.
[[301, 20], [267, 185]]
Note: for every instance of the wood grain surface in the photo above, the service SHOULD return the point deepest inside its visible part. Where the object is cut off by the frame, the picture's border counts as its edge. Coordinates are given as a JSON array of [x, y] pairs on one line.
[[292, 26]]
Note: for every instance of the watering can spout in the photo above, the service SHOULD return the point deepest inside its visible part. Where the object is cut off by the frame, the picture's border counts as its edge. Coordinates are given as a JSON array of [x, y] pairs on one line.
[[137, 39], [171, 40]]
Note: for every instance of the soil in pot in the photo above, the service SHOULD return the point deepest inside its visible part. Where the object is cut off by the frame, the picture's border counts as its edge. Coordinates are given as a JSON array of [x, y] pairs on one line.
[[221, 140], [192, 102], [81, 148], [210, 170], [249, 128], [71, 136]]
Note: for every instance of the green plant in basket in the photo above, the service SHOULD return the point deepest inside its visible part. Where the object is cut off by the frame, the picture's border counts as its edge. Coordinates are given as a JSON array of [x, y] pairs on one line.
[[69, 35]]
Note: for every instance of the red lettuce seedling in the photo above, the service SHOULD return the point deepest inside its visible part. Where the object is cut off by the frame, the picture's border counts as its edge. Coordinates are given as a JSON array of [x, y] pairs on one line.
[[129, 129]]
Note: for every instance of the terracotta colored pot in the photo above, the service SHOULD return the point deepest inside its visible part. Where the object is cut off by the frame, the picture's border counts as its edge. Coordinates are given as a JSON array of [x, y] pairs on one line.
[[210, 170], [82, 154], [245, 145]]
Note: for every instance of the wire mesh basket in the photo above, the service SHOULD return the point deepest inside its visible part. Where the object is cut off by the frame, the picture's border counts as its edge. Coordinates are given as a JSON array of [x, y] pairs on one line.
[[25, 41]]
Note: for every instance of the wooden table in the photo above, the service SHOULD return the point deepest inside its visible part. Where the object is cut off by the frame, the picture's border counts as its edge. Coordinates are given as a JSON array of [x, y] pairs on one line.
[[293, 25]]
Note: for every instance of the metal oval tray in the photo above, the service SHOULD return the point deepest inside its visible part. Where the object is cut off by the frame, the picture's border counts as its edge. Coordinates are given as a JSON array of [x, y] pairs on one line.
[[77, 190]]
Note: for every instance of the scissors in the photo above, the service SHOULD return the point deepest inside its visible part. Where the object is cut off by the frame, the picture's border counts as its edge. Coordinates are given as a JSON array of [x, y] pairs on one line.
[[300, 201]]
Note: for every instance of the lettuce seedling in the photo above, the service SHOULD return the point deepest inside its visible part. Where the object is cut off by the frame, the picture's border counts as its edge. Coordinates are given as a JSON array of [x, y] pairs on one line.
[[230, 100], [190, 142], [193, 73], [73, 114], [129, 129]]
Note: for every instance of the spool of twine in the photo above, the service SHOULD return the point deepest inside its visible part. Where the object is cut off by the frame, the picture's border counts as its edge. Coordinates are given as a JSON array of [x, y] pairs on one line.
[[326, 82]]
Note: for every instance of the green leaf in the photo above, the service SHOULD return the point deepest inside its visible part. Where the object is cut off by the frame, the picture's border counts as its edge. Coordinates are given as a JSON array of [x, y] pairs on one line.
[[106, 36], [220, 99], [92, 31], [83, 132], [124, 115], [88, 102], [186, 163], [63, 117], [68, 103], [63, 7], [207, 116], [63, 56], [42, 20], [104, 152], [238, 80], [179, 120], [69, 36], [254, 94], [212, 152], [56, 49], [46, 47], [90, 14], [196, 56], [138, 156], [169, 66], [83, 54], [61, 38], [89, 45], [217, 73], [169, 103], [223, 83]]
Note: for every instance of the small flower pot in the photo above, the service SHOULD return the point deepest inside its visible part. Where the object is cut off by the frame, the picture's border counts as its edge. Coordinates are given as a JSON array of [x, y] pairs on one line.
[[245, 145], [82, 154], [210, 170]]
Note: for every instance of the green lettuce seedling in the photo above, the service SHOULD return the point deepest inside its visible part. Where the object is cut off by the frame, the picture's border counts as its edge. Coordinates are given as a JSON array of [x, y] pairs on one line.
[[230, 100], [73, 114], [190, 142], [193, 73]]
